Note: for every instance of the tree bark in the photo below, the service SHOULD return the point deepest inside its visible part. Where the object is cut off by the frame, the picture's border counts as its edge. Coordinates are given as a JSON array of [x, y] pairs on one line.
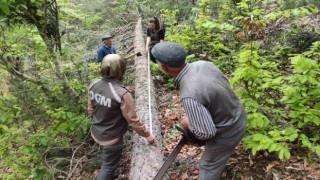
[[48, 28], [146, 159]]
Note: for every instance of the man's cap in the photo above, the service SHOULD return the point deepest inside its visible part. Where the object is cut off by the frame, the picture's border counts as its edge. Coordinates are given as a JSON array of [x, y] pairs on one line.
[[170, 54], [107, 36]]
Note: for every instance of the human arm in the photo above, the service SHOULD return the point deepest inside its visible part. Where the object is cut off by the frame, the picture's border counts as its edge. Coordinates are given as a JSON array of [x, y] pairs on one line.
[[148, 40], [90, 108], [161, 35], [147, 43], [185, 123], [129, 113], [100, 55], [199, 120]]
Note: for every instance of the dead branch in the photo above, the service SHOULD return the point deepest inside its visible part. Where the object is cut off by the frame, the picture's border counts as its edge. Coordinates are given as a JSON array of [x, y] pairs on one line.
[[71, 161]]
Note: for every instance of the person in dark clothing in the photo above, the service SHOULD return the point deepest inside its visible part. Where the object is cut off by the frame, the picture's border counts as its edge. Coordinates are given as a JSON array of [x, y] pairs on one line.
[[112, 109], [155, 34], [106, 48], [214, 112]]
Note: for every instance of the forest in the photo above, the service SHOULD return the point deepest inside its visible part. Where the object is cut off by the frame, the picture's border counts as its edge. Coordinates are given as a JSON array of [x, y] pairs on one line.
[[268, 49]]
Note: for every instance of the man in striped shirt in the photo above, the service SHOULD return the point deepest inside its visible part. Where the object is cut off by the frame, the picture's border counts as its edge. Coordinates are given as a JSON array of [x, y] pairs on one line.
[[214, 112]]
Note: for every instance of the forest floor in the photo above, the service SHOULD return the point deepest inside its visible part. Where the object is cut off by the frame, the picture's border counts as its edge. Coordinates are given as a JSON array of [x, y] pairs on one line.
[[241, 165]]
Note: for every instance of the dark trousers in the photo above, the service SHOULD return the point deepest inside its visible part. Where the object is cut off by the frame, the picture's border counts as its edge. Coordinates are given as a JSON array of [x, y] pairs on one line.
[[218, 150], [110, 156]]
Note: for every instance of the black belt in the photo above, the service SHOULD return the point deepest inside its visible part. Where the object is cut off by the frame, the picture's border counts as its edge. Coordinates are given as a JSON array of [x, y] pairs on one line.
[[187, 136]]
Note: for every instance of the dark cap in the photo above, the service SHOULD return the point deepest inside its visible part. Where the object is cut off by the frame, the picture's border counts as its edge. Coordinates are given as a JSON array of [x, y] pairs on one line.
[[106, 37], [170, 54]]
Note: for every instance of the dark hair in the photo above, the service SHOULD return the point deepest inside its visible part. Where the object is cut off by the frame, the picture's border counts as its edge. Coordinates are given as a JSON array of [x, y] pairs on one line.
[[156, 21]]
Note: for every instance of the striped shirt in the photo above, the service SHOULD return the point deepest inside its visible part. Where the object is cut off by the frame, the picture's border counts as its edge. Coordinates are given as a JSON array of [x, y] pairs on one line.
[[201, 123]]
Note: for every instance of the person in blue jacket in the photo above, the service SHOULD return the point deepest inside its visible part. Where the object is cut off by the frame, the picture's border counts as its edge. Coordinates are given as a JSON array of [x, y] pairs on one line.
[[106, 47]]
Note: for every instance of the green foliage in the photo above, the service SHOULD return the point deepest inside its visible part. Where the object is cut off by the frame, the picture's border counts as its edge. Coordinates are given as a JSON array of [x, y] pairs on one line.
[[274, 141], [17, 152], [5, 8], [3, 84], [258, 142], [314, 52], [289, 4], [300, 11], [300, 95], [201, 38], [263, 83], [37, 111], [30, 133], [167, 80], [277, 82], [302, 38], [275, 74]]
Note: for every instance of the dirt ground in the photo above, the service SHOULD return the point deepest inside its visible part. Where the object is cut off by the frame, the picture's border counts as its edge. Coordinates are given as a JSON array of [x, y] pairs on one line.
[[241, 165]]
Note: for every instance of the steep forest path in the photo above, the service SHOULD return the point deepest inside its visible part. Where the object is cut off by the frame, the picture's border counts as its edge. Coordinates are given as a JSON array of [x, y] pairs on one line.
[[141, 161], [47, 60], [242, 165]]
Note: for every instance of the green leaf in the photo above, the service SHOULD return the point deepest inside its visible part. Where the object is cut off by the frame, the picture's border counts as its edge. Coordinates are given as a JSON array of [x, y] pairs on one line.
[[289, 131], [286, 153], [4, 127], [245, 56], [209, 24], [260, 123], [305, 141], [302, 13], [270, 101], [302, 64], [44, 141], [286, 14], [254, 150], [295, 12], [281, 153], [258, 120], [5, 8], [257, 137], [293, 137], [23, 6], [271, 16], [69, 114], [272, 147], [318, 150]]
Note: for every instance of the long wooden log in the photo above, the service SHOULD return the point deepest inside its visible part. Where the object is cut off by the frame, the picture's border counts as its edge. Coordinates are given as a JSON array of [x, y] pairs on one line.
[[146, 159]]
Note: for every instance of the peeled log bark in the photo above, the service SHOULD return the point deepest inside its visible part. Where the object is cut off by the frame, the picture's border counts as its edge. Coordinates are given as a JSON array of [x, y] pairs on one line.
[[146, 159]]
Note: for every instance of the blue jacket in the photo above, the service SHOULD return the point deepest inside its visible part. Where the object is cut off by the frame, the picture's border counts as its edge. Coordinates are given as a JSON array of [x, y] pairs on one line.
[[103, 51]]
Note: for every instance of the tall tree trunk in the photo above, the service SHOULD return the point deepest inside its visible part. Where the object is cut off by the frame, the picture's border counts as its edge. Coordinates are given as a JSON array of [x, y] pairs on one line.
[[146, 159], [47, 23]]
